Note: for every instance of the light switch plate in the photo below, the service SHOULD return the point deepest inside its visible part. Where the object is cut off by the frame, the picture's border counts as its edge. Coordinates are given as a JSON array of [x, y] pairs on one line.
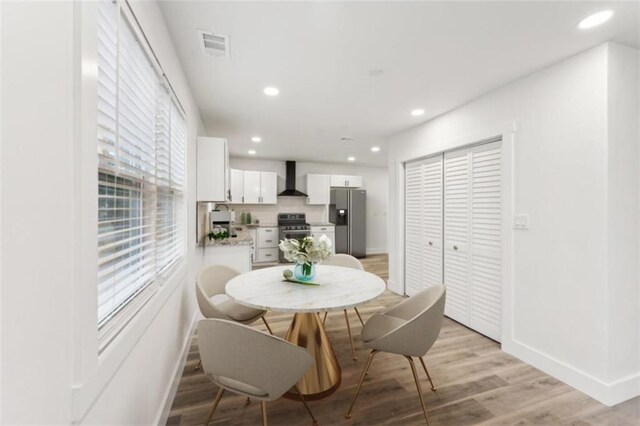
[[521, 221]]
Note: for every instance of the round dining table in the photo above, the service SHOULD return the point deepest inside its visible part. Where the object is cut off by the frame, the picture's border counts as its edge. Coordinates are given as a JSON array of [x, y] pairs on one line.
[[339, 288]]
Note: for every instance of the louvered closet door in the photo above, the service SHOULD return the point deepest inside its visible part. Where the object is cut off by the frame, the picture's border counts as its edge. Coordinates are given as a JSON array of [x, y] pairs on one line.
[[456, 235], [473, 238], [423, 221], [486, 240], [413, 227], [432, 221]]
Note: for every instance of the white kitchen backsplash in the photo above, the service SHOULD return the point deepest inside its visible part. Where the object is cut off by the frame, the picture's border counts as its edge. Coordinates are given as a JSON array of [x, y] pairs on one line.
[[268, 213]]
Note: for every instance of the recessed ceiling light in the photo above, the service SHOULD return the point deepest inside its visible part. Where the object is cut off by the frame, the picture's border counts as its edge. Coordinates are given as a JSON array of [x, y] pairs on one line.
[[271, 91], [256, 139], [252, 152], [375, 149], [595, 19], [417, 112], [351, 158]]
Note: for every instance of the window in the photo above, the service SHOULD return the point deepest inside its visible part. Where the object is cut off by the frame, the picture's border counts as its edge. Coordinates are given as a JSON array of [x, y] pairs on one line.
[[141, 154]]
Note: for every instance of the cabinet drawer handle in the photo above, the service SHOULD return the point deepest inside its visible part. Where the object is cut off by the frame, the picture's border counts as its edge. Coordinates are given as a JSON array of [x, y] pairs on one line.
[[268, 230], [268, 241], [268, 255], [455, 247], [430, 243]]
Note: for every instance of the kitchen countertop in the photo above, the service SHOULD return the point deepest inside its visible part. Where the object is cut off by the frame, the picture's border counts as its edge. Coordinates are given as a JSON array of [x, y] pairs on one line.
[[261, 225], [321, 224], [243, 238]]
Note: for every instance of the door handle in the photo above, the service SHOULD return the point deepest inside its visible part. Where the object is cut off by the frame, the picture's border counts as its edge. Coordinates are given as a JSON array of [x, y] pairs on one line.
[[455, 247], [430, 243]]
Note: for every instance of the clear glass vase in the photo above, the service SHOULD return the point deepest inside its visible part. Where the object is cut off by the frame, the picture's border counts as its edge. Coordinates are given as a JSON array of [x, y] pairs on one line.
[[304, 271]]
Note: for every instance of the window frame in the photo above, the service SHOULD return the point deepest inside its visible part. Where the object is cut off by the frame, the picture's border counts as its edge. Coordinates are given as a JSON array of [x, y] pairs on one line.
[[127, 39], [92, 370]]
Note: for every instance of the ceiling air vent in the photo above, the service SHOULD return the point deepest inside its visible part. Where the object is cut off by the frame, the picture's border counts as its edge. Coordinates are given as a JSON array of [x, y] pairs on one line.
[[214, 44]]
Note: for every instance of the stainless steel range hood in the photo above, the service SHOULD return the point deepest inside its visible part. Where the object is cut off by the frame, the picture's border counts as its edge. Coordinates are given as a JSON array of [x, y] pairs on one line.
[[290, 182]]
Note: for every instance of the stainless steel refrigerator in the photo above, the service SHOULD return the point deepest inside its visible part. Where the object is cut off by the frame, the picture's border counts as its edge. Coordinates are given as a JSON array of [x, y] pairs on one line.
[[348, 212]]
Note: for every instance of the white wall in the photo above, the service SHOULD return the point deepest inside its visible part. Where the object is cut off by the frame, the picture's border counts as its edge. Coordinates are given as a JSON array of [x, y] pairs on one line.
[[37, 175], [375, 182], [560, 287], [623, 197], [50, 371]]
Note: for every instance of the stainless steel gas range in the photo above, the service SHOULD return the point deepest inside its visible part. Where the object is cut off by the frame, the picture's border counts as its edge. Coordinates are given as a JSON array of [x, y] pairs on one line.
[[292, 225]]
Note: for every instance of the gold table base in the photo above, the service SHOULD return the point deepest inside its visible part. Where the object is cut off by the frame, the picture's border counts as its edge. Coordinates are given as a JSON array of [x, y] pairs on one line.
[[324, 375]]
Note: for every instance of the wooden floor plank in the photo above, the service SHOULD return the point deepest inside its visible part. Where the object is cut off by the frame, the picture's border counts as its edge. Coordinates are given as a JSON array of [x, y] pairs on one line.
[[477, 384]]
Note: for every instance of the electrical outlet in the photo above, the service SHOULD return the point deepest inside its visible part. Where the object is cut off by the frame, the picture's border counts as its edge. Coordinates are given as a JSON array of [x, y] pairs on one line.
[[521, 221]]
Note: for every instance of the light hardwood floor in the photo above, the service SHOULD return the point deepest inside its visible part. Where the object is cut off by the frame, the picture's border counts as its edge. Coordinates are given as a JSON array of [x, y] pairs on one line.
[[477, 384]]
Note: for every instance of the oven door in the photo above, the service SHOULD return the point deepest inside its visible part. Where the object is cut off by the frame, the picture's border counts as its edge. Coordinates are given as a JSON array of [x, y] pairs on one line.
[[295, 235]]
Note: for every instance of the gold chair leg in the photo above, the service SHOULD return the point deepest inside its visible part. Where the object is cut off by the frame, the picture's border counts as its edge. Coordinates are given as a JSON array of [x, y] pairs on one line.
[[267, 324], [433, 388], [364, 373], [415, 378], [264, 413], [199, 366], [325, 317], [353, 349], [359, 317], [304, 401], [215, 405]]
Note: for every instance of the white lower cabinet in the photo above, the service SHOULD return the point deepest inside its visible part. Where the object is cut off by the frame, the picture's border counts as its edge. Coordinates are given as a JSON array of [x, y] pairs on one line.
[[236, 257], [266, 245], [328, 230]]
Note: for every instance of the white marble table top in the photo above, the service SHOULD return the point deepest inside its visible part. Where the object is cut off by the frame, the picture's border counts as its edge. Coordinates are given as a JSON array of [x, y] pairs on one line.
[[340, 288]]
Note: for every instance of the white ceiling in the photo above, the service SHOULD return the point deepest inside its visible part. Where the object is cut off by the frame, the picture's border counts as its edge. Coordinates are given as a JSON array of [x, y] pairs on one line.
[[435, 56]]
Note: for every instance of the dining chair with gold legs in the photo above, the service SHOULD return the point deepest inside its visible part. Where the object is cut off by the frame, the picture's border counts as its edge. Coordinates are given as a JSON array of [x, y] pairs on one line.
[[249, 362], [409, 329], [346, 261], [214, 303]]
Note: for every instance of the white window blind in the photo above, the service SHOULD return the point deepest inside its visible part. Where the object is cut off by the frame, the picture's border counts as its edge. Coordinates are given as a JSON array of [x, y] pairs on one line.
[[141, 144]]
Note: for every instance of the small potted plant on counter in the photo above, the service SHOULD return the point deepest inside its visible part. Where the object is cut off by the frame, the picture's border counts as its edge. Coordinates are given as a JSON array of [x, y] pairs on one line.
[[218, 233]]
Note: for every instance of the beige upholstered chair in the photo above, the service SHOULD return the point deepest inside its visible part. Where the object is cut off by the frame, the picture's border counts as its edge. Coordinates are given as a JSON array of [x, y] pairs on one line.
[[214, 303], [409, 329], [248, 362], [346, 261]]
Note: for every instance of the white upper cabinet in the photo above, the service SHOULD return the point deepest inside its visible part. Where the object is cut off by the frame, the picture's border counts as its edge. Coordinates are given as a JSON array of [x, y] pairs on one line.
[[318, 189], [212, 170], [251, 186], [268, 187], [236, 186], [346, 181], [260, 187]]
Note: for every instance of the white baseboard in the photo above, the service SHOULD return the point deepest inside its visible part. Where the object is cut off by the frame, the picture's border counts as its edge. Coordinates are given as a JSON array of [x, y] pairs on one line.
[[374, 250], [172, 387], [610, 394], [392, 286]]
